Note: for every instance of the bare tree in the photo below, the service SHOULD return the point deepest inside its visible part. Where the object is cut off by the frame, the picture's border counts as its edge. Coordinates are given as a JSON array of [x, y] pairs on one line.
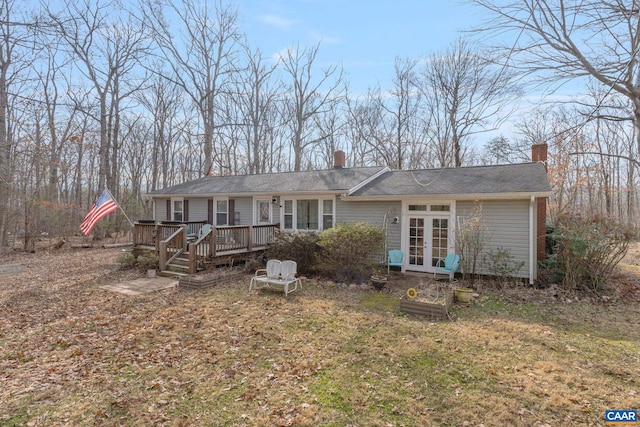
[[257, 100], [402, 107], [108, 48], [15, 38], [467, 92], [308, 97], [559, 40], [367, 131], [202, 63], [163, 101]]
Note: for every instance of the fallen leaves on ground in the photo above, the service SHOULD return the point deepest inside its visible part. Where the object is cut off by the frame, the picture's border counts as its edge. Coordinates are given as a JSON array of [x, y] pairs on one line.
[[72, 353]]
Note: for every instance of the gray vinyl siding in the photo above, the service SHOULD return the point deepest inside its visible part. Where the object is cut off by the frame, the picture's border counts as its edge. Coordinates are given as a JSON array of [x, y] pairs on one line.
[[275, 212], [373, 213], [160, 213], [507, 227], [198, 209], [243, 205]]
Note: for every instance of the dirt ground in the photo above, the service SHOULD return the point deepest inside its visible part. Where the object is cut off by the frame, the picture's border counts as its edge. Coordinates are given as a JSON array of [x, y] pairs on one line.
[[73, 354]]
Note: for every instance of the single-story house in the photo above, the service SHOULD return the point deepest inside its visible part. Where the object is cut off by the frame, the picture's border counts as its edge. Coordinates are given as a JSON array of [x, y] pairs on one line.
[[419, 209]]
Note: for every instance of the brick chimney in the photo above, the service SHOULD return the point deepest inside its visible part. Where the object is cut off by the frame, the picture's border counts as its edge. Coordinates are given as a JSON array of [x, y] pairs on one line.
[[339, 159], [539, 154]]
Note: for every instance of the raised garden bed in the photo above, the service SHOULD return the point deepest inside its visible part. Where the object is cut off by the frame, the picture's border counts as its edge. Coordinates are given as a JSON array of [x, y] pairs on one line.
[[434, 307], [210, 279]]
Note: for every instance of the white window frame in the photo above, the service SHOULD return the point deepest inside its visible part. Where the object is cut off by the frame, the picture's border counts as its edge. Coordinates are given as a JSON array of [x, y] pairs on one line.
[[294, 222], [215, 210], [173, 208], [256, 210]]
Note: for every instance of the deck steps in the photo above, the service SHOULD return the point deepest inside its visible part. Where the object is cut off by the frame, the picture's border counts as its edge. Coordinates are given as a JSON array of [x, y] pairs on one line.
[[178, 267]]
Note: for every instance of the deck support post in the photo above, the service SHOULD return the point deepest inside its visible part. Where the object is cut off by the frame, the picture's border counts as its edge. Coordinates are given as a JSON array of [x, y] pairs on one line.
[[162, 256], [193, 259]]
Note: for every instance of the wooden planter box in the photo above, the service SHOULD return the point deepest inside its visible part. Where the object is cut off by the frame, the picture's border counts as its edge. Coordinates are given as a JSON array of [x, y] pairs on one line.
[[437, 311], [195, 282]]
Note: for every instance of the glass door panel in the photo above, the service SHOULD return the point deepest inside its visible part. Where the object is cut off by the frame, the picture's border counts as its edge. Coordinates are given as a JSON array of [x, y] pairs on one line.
[[416, 241], [439, 241]]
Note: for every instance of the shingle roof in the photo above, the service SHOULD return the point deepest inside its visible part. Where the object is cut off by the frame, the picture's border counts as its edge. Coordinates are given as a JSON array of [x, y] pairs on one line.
[[515, 178], [524, 178], [330, 180]]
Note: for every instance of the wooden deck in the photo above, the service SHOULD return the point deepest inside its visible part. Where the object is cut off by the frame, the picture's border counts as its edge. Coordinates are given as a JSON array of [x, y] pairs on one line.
[[174, 243]]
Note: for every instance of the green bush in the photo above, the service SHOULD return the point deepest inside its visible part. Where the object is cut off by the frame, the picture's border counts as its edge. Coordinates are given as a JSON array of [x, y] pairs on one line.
[[299, 247], [348, 251], [128, 261], [502, 266], [148, 261], [587, 250]]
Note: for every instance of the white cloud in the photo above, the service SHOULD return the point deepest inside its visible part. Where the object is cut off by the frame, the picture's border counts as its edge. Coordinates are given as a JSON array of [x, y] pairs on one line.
[[324, 38], [276, 21]]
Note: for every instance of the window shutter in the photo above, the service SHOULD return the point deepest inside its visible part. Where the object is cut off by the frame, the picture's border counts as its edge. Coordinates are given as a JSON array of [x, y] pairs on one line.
[[169, 210], [210, 211], [185, 207], [232, 209]]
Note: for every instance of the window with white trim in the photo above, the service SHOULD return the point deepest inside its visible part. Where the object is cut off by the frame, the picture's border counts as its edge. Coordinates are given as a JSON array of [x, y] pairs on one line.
[[177, 209], [327, 214], [308, 214], [288, 214], [221, 211], [429, 208]]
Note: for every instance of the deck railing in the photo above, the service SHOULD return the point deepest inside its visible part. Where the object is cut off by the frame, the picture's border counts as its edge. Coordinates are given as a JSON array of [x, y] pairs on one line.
[[173, 245], [170, 240], [144, 234]]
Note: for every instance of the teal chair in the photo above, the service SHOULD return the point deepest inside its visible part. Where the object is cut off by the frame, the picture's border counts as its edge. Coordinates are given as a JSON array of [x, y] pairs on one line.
[[394, 259], [451, 265], [204, 230]]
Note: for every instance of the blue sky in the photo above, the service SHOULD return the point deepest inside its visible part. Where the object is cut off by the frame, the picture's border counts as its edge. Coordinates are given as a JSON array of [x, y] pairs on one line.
[[364, 36]]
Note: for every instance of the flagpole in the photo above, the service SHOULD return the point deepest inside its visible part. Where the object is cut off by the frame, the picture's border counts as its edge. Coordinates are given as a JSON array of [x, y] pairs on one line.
[[116, 202]]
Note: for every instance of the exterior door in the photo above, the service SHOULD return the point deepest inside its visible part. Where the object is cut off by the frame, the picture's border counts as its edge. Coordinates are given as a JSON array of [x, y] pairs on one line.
[[417, 243], [428, 241]]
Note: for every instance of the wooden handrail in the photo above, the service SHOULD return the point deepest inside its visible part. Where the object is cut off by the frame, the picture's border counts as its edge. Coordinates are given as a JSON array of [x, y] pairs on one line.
[[232, 238], [176, 241]]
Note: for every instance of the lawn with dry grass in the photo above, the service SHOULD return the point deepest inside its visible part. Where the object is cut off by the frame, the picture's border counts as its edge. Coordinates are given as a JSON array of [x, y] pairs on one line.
[[74, 354]]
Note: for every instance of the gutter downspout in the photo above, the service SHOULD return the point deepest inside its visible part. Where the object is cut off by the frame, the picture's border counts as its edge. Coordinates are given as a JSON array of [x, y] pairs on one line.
[[532, 240]]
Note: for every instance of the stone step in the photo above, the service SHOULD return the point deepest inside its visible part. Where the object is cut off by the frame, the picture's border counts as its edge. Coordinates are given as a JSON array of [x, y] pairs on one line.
[[169, 273]]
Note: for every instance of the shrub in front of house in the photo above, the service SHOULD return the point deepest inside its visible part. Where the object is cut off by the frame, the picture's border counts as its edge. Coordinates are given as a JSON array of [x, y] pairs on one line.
[[299, 247], [586, 250], [128, 261], [348, 251], [148, 261], [503, 266]]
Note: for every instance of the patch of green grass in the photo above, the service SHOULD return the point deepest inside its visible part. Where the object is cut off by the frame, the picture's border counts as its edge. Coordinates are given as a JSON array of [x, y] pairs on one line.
[[13, 420], [380, 301], [606, 321], [329, 392]]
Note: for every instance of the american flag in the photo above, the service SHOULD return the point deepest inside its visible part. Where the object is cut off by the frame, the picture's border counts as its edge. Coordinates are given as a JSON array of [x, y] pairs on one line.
[[104, 206]]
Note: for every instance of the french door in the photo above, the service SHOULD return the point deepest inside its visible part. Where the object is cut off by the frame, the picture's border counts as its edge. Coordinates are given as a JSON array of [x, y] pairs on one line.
[[428, 240]]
